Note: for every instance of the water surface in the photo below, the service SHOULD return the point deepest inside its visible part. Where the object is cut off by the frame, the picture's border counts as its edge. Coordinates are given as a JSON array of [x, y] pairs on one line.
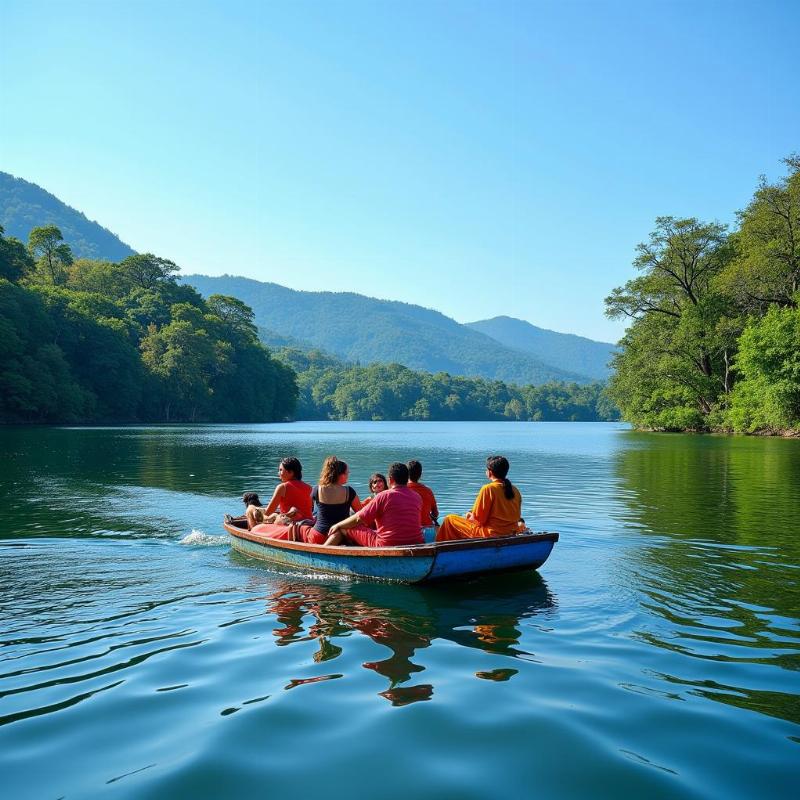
[[655, 654]]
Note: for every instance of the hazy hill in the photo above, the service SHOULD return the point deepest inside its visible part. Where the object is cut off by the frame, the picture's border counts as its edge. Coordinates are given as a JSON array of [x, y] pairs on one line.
[[25, 205], [364, 330], [570, 352]]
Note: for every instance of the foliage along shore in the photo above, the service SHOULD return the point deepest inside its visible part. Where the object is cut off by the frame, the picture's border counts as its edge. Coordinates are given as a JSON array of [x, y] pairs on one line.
[[714, 342], [94, 341], [333, 389]]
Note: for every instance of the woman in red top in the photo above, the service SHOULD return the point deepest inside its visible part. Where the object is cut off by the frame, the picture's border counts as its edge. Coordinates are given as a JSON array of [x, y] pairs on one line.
[[292, 497]]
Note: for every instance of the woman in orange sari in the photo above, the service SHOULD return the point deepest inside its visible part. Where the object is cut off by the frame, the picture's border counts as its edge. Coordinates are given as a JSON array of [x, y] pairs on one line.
[[495, 512]]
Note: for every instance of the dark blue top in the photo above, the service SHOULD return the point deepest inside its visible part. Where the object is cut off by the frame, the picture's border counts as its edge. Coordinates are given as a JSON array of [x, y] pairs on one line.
[[328, 514]]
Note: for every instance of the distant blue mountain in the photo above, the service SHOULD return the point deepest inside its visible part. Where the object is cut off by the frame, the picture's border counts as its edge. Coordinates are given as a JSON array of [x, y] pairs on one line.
[[564, 350], [363, 330], [25, 205]]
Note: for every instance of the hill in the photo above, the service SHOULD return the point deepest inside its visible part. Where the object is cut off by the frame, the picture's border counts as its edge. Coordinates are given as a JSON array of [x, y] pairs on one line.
[[569, 352], [25, 205], [364, 330]]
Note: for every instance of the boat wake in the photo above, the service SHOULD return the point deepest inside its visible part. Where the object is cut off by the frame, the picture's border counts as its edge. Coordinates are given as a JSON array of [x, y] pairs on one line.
[[200, 539]]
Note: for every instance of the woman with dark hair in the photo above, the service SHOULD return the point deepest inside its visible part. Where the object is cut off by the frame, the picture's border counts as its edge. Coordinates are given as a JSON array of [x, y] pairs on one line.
[[377, 484], [495, 512], [292, 497], [332, 499]]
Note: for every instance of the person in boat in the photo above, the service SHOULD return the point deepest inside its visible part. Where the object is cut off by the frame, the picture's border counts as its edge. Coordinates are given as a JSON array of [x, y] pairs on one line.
[[495, 512], [377, 484], [429, 515], [251, 499], [333, 500], [291, 499], [395, 514]]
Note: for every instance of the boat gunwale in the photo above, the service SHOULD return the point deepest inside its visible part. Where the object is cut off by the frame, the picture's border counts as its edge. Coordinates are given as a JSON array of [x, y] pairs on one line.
[[427, 550]]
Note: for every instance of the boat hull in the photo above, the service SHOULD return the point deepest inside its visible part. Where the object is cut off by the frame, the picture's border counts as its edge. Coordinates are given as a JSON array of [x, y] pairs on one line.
[[408, 564]]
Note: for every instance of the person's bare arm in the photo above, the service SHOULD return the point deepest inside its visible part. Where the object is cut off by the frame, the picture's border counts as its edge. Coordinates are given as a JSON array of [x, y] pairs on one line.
[[280, 490], [335, 535]]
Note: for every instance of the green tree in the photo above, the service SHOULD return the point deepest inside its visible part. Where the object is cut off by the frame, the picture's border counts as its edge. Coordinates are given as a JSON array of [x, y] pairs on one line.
[[766, 269], [53, 256], [99, 277], [768, 396], [15, 260], [238, 316], [676, 357], [36, 384], [97, 344], [146, 271], [181, 360]]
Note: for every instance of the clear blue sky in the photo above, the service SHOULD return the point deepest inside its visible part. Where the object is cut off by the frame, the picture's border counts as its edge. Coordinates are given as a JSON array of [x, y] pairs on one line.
[[480, 158]]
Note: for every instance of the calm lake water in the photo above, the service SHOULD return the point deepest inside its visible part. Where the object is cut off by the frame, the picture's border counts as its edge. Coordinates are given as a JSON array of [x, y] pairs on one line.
[[656, 654]]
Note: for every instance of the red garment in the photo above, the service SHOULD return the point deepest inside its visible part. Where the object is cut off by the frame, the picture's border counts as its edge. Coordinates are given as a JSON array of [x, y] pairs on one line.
[[297, 494], [363, 536], [396, 514], [275, 531], [429, 507]]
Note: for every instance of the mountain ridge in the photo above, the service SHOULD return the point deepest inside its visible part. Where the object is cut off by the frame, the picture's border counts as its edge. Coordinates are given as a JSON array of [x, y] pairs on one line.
[[359, 329], [574, 353], [25, 205], [352, 326]]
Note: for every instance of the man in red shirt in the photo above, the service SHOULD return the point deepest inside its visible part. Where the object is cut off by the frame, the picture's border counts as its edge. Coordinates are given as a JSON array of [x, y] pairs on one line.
[[395, 512], [429, 515]]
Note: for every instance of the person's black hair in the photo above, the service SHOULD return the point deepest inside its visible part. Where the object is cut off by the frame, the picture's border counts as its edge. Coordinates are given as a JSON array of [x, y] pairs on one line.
[[498, 466], [398, 473], [377, 476], [294, 466], [414, 470], [251, 499]]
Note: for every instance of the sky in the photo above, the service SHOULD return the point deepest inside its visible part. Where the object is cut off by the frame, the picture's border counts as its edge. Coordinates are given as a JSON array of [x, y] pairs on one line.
[[479, 158]]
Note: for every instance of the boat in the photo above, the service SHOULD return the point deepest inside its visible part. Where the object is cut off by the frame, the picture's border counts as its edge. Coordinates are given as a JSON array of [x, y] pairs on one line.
[[416, 563]]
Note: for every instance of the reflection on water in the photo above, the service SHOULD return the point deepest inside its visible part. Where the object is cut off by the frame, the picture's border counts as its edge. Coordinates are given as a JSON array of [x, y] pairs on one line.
[[406, 619], [721, 564], [665, 624]]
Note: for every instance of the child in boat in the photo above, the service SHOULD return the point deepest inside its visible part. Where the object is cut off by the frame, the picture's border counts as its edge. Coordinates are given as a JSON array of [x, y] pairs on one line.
[[291, 499], [495, 512], [430, 512], [249, 499]]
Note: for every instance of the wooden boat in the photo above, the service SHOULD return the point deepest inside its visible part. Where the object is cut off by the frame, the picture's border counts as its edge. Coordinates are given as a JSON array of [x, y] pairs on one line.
[[418, 563]]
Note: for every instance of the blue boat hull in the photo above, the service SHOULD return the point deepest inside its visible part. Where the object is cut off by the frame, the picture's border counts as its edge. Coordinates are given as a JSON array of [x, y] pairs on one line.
[[408, 564]]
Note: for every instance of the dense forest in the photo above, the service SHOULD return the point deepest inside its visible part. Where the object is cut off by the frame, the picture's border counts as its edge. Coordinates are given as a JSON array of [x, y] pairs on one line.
[[96, 341], [714, 342], [332, 389], [85, 340]]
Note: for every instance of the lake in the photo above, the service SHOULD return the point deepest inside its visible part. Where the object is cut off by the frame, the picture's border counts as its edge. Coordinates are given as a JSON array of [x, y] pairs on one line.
[[656, 653]]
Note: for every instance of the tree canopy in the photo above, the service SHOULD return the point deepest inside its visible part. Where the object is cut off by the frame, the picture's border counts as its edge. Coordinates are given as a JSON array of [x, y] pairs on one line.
[[705, 303], [332, 389], [96, 341]]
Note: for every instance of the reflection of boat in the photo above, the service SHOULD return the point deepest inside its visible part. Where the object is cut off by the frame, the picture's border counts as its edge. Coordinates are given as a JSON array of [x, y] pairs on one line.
[[484, 613], [407, 564]]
